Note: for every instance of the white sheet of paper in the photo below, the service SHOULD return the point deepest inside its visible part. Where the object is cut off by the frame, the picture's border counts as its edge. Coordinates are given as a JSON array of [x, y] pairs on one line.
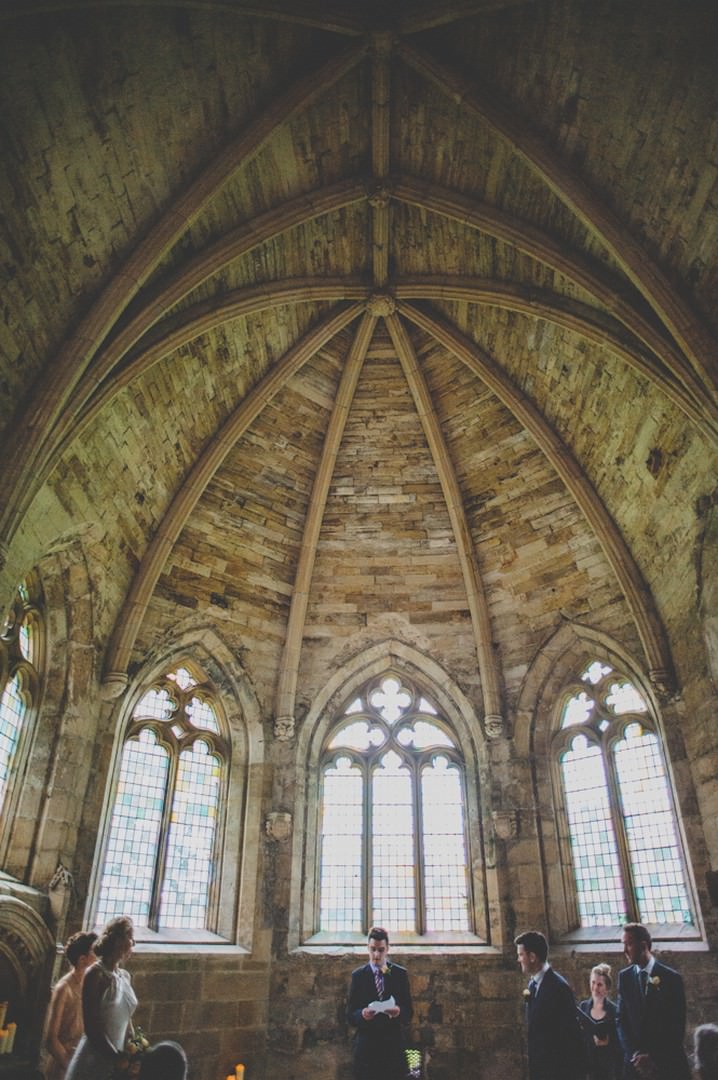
[[383, 1006]]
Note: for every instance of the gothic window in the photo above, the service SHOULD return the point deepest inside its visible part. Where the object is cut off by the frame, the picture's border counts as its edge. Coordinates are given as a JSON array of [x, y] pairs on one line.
[[161, 852], [393, 843], [625, 847], [20, 662]]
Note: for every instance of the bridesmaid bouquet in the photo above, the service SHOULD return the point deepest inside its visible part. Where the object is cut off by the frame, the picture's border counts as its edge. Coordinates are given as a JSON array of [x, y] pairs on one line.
[[130, 1059], [413, 1064]]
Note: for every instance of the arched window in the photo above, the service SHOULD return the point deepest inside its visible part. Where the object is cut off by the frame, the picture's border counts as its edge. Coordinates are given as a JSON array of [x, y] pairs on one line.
[[21, 648], [625, 848], [393, 835], [162, 849]]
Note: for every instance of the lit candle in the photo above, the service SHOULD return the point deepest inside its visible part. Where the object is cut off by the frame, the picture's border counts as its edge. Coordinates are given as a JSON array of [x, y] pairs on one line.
[[11, 1029], [3, 1040], [239, 1072]]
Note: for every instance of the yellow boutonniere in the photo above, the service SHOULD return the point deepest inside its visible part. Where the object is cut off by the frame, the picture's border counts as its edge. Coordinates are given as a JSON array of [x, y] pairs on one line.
[[385, 969], [654, 980], [527, 993]]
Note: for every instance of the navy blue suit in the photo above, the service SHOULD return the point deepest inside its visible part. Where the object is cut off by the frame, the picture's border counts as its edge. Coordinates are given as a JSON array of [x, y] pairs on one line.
[[653, 1023], [555, 1043], [379, 1044]]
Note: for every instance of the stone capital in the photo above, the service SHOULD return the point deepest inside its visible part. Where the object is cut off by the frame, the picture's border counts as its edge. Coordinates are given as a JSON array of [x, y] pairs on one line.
[[284, 728]]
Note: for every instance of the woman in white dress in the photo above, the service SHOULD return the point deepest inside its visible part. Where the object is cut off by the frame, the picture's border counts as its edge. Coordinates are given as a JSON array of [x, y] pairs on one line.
[[108, 1002]]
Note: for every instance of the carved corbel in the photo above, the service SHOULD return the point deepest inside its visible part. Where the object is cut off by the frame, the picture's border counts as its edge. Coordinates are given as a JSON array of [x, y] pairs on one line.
[[278, 825], [284, 728], [114, 685], [494, 726], [506, 824]]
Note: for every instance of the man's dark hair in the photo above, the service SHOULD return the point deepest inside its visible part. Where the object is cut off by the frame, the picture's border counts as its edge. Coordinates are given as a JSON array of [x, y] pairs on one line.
[[533, 941], [79, 945], [378, 933], [705, 1057], [638, 932]]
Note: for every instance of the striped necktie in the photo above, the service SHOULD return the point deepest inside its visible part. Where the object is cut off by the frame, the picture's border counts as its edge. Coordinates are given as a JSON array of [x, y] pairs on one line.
[[379, 981]]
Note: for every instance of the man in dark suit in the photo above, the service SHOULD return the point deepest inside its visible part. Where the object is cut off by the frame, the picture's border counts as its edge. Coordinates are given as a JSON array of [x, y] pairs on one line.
[[651, 1012], [379, 1040], [555, 1044]]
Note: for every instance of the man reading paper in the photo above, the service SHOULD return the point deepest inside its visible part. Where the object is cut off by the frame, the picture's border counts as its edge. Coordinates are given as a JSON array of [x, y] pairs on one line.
[[379, 1042]]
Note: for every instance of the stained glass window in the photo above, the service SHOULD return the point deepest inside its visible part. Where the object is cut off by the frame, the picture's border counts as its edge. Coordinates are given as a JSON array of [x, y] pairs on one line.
[[393, 845], [161, 847], [19, 679], [625, 849]]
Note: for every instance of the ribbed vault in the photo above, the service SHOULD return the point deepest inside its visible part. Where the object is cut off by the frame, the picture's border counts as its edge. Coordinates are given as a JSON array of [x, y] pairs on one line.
[[375, 216]]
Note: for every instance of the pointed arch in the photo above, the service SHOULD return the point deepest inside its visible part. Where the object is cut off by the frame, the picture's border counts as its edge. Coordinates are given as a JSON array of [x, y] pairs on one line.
[[590, 734], [394, 658], [190, 698]]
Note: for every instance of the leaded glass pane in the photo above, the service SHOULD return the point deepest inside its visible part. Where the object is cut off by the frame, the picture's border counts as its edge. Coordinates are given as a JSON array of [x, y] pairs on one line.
[[133, 843], [445, 862], [342, 827], [624, 698], [595, 672], [190, 848], [390, 700], [157, 704], [392, 845], [357, 736], [577, 710], [659, 880], [422, 735], [26, 639], [596, 863], [12, 714], [183, 678], [202, 715]]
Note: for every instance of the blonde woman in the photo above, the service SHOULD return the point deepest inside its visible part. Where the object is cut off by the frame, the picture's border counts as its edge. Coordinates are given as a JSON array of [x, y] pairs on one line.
[[108, 1002], [603, 1050]]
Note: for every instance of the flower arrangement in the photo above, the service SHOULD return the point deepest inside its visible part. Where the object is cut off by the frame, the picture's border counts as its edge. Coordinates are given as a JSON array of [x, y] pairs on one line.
[[413, 1062], [129, 1060]]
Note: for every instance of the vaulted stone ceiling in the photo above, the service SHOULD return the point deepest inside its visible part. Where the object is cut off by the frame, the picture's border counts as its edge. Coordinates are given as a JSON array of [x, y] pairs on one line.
[[328, 323]]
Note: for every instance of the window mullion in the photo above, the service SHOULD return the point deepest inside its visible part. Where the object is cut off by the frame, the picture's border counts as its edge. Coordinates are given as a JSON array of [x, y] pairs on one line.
[[617, 816], [367, 863], [160, 864], [419, 868]]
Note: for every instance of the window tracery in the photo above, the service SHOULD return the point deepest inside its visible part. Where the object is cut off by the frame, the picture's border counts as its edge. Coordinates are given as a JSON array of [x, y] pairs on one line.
[[625, 847], [161, 852], [21, 648], [393, 836]]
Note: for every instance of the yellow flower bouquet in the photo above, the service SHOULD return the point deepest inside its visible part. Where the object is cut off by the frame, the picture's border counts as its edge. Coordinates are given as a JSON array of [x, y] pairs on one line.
[[129, 1060]]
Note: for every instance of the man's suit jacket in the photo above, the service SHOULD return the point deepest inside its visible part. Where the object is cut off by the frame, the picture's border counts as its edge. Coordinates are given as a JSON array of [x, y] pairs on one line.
[[654, 1022], [555, 1043], [379, 1043]]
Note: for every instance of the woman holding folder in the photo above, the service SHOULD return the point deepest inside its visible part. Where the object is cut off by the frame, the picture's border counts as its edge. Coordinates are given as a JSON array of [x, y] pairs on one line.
[[597, 1015]]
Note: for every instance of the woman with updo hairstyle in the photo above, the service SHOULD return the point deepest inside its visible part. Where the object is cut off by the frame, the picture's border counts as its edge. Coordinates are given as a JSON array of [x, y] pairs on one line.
[[64, 1019], [108, 1002], [705, 1051], [598, 1022]]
